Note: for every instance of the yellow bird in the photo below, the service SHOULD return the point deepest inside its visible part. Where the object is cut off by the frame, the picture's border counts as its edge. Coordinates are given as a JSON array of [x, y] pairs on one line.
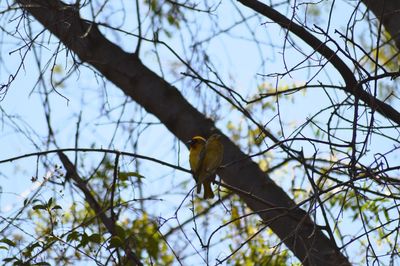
[[205, 157], [197, 144], [212, 158]]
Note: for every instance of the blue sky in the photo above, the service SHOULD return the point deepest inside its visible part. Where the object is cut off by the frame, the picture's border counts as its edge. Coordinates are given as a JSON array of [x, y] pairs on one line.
[[237, 60]]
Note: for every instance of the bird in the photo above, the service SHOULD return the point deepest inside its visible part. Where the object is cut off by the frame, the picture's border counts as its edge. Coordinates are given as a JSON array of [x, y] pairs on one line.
[[197, 145], [210, 160]]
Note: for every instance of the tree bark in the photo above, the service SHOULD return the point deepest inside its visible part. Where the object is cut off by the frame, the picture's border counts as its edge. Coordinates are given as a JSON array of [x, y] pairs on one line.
[[292, 225], [387, 12], [352, 87]]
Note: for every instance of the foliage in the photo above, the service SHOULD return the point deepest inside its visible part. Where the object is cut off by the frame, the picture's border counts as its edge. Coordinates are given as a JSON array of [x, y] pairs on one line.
[[100, 180]]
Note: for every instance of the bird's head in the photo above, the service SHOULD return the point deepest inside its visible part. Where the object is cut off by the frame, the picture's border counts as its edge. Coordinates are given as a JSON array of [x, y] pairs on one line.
[[214, 137], [196, 140]]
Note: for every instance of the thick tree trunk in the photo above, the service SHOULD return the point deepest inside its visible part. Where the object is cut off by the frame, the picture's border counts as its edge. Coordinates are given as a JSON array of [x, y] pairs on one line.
[[291, 224], [388, 13]]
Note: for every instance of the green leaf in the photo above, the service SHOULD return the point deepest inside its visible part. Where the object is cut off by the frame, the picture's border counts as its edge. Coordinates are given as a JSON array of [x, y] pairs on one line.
[[153, 5], [42, 263], [50, 202], [124, 175], [116, 242], [27, 253], [95, 238], [56, 207], [120, 231], [9, 259], [171, 19], [39, 207], [35, 245], [8, 242], [57, 69], [73, 236], [84, 240], [169, 34]]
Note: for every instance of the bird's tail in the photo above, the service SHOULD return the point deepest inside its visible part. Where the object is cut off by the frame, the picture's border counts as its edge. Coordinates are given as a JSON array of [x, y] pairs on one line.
[[208, 193], [198, 187]]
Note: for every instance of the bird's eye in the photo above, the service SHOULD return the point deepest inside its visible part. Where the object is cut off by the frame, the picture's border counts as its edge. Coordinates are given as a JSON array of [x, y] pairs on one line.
[[192, 142]]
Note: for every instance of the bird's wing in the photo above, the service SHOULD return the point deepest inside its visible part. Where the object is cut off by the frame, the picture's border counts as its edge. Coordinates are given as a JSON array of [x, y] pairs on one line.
[[199, 173], [202, 155]]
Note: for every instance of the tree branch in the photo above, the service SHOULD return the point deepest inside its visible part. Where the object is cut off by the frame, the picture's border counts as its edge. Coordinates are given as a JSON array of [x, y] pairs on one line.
[[352, 87], [387, 11], [297, 231], [108, 223]]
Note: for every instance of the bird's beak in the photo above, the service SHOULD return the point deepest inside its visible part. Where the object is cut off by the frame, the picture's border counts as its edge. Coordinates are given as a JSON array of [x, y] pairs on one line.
[[189, 142]]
